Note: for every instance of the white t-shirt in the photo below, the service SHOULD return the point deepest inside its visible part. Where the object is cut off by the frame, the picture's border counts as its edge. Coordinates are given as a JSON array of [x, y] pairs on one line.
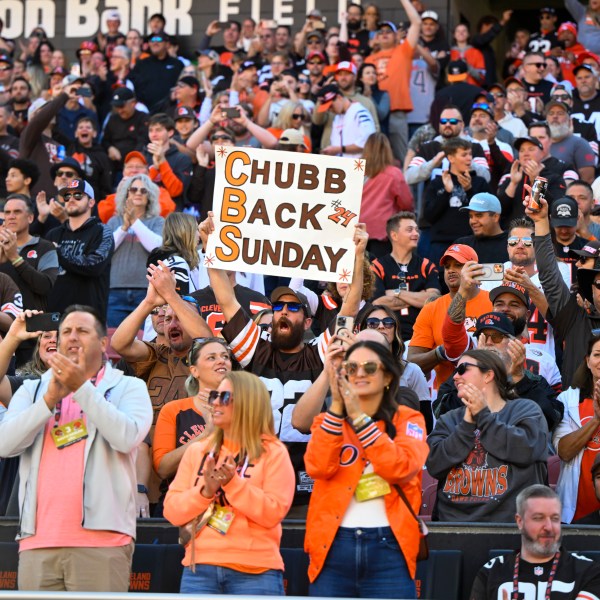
[[352, 128]]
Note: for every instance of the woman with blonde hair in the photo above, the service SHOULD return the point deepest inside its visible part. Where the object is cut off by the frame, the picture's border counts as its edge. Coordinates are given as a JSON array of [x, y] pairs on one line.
[[293, 115], [179, 251], [385, 192], [137, 228], [189, 420], [235, 488]]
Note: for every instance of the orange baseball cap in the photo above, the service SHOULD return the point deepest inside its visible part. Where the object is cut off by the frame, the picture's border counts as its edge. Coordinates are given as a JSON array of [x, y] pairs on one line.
[[461, 253]]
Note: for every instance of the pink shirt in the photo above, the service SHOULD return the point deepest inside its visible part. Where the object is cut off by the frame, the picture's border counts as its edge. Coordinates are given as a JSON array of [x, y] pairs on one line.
[[383, 196], [60, 493]]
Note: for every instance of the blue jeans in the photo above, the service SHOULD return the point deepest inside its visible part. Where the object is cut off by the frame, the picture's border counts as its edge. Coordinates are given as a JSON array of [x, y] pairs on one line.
[[209, 579], [364, 563], [121, 303]]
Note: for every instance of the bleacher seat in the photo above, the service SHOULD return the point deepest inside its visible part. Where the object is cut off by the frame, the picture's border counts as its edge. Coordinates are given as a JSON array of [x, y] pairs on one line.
[[9, 560], [295, 572], [156, 568], [428, 500], [112, 354], [440, 576]]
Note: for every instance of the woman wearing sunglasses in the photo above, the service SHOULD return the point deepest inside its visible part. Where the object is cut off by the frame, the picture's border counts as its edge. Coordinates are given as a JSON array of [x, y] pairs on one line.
[[363, 451], [189, 420], [485, 452], [576, 438], [385, 320], [137, 230], [245, 473]]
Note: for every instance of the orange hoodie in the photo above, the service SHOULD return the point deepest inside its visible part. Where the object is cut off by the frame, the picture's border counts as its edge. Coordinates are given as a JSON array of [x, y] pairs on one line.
[[334, 441], [260, 500]]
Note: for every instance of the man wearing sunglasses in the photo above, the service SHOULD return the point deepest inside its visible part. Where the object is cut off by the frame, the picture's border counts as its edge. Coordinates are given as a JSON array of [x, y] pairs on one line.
[[534, 68], [545, 39], [572, 322], [495, 331], [283, 360], [85, 247]]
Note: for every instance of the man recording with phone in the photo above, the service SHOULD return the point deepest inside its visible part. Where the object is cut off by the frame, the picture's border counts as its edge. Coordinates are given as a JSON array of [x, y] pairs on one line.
[[75, 107]]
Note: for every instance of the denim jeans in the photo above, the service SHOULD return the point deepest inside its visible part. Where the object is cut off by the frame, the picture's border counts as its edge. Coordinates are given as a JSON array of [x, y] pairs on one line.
[[210, 579], [121, 303], [364, 563]]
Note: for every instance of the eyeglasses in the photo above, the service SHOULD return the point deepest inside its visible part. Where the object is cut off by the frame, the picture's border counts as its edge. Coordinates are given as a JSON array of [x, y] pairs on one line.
[[75, 195], [495, 336], [158, 309], [214, 138], [374, 322], [291, 306], [142, 190], [297, 117], [462, 368], [60, 173], [225, 398], [537, 65], [370, 367], [513, 240], [452, 121]]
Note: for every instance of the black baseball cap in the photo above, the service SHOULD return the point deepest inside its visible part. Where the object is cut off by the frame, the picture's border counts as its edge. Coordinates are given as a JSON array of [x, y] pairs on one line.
[[494, 320], [122, 95]]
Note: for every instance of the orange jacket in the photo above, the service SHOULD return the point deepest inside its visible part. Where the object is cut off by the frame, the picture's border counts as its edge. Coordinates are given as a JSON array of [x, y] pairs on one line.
[[260, 500], [334, 441], [107, 208]]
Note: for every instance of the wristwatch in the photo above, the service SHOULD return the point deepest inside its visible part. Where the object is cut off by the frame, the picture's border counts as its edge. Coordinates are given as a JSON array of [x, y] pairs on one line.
[[142, 489]]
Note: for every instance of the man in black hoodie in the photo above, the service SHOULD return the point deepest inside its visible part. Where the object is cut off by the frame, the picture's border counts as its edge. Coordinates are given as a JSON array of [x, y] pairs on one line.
[[85, 247]]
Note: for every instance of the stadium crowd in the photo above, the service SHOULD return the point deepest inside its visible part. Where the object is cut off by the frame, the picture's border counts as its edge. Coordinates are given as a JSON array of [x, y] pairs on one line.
[[137, 382]]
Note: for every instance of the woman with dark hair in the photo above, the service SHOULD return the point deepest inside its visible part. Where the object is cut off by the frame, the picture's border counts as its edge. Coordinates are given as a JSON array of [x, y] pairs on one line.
[[487, 451], [42, 56], [576, 437], [245, 474], [368, 86], [366, 456], [385, 192], [385, 320], [189, 420]]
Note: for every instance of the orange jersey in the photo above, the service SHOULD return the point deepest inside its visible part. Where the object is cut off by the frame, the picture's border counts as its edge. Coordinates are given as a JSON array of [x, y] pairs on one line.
[[336, 457]]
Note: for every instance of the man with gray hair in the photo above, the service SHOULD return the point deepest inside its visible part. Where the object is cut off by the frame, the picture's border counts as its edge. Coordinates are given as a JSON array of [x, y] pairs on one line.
[[541, 568]]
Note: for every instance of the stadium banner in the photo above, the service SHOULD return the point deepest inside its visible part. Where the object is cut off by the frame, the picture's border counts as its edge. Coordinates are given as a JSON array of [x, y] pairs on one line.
[[282, 213]]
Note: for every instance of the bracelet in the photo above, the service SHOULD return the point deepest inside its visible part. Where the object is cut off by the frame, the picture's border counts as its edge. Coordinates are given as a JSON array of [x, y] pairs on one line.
[[17, 261], [361, 421], [439, 352]]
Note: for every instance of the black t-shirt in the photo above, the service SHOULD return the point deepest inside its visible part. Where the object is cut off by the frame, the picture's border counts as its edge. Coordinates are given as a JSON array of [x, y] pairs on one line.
[[542, 41], [419, 275], [591, 519], [490, 249], [565, 252], [575, 575], [541, 89]]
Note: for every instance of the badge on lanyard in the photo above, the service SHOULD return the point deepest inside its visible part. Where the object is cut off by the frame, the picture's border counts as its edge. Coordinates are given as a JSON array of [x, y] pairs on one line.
[[69, 433], [221, 519], [370, 486]]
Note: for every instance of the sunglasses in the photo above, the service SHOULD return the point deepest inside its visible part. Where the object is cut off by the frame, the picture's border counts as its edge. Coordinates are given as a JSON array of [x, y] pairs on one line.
[[596, 284], [199, 343], [297, 117], [493, 335], [561, 97], [302, 80], [214, 138], [291, 306], [537, 65], [370, 367], [499, 95], [513, 240], [452, 121], [481, 105], [264, 326], [374, 322], [74, 195], [158, 309], [60, 173], [142, 190], [583, 259], [225, 398], [462, 368]]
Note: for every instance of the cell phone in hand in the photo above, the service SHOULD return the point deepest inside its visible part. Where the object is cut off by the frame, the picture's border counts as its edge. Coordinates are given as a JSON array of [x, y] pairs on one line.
[[231, 112], [85, 92], [224, 24], [43, 322], [344, 326], [492, 272]]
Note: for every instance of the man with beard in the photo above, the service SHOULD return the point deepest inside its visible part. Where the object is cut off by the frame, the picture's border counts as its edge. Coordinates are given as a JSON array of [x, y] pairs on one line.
[[358, 36], [85, 247], [162, 366], [583, 194], [586, 98], [20, 101], [541, 564], [523, 171], [488, 239], [563, 219], [568, 147], [287, 365]]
